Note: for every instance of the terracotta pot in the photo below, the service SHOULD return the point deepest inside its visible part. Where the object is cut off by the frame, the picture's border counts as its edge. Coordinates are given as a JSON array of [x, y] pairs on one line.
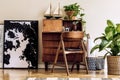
[[73, 17], [70, 14], [113, 63]]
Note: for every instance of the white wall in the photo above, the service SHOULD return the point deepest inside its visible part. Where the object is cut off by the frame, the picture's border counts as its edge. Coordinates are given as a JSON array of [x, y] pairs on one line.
[[97, 12]]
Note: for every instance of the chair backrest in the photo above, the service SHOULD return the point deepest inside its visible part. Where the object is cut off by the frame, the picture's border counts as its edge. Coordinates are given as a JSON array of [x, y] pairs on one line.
[[72, 39], [73, 34]]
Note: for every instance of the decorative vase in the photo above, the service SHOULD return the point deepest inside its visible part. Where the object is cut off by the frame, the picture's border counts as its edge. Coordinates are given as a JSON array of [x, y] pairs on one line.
[[113, 63]]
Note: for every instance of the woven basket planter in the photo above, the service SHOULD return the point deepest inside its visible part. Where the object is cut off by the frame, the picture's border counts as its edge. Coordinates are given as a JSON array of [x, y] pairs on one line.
[[113, 63]]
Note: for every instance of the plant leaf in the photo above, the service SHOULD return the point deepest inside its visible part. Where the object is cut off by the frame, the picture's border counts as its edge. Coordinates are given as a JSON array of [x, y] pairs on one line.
[[105, 55], [117, 40], [101, 37], [115, 51], [118, 28], [82, 14], [109, 31], [104, 44], [110, 23], [94, 48]]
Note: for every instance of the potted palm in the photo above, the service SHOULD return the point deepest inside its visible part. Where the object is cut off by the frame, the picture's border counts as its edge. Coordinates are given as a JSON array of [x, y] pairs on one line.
[[73, 10], [110, 42]]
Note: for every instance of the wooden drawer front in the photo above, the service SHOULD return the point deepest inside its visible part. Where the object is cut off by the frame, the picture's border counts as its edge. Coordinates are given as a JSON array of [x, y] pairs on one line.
[[50, 44], [52, 25], [49, 50], [70, 58], [50, 36]]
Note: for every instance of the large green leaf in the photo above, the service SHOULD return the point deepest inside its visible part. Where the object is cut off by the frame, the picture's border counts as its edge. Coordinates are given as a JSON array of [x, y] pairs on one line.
[[101, 37], [109, 31], [110, 23], [104, 44], [109, 35], [117, 40], [115, 51], [94, 48], [118, 28]]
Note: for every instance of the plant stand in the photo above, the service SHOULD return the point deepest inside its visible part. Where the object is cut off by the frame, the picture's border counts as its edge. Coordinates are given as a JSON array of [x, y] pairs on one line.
[[113, 63]]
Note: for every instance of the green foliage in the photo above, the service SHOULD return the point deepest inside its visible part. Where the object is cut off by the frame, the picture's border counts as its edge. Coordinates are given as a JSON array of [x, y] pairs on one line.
[[110, 40], [74, 7]]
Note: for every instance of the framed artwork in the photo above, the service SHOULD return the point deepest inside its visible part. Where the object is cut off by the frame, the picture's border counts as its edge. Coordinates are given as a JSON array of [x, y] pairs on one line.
[[1, 45], [20, 44]]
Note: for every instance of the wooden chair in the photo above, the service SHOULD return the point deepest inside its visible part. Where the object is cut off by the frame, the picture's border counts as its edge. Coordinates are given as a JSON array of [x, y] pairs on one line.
[[75, 38]]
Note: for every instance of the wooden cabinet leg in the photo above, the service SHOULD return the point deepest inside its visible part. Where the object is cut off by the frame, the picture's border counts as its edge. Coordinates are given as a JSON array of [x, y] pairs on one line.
[[72, 67], [78, 66], [46, 66]]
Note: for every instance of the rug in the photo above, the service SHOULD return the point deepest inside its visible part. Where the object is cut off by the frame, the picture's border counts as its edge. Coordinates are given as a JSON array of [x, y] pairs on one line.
[[73, 78]]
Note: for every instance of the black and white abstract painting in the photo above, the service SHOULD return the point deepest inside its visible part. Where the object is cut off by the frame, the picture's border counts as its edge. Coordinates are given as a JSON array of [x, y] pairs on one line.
[[20, 44], [1, 45]]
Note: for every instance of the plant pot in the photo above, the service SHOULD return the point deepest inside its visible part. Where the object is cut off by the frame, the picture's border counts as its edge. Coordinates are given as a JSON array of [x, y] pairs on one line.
[[70, 14], [113, 63]]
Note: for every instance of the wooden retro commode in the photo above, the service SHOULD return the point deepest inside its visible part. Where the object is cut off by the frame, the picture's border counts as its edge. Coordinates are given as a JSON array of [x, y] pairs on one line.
[[52, 29]]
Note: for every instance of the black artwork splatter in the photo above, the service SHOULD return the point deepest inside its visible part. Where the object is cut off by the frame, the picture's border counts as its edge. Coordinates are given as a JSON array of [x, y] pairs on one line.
[[29, 30]]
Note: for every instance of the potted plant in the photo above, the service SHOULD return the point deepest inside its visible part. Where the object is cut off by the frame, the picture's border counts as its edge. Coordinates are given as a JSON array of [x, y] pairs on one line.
[[110, 42], [73, 10]]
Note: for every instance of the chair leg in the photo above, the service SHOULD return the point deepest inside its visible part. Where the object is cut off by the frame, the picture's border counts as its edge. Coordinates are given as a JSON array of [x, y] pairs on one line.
[[66, 64], [78, 66], [86, 65], [85, 61], [55, 61], [56, 57]]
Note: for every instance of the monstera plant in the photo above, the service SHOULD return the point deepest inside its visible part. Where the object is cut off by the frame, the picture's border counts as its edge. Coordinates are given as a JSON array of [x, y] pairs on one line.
[[110, 42]]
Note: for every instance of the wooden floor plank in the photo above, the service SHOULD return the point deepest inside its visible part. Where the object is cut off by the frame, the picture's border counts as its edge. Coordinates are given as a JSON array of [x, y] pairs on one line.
[[23, 74]]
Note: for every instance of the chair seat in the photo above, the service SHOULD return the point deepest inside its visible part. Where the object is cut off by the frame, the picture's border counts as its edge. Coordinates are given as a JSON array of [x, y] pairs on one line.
[[72, 49]]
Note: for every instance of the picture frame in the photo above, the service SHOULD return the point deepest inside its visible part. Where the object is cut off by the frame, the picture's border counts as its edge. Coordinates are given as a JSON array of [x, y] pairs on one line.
[[20, 44]]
